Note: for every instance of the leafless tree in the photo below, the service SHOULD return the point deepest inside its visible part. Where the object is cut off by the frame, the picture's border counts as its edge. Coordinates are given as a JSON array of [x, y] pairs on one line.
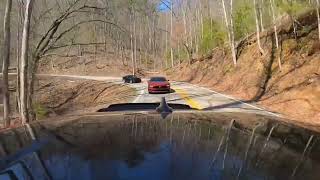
[[229, 25], [318, 16], [171, 35], [275, 30], [24, 63], [260, 13], [6, 60], [256, 10]]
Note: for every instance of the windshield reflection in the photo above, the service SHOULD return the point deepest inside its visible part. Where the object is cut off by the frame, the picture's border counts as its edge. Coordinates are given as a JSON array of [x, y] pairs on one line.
[[182, 146]]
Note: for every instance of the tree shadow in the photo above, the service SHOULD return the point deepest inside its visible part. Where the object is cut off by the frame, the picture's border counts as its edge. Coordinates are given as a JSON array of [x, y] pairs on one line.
[[268, 87], [277, 80], [267, 74], [306, 82], [234, 104]]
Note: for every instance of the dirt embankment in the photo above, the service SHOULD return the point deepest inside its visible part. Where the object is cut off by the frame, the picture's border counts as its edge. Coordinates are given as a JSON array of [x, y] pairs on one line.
[[293, 90], [61, 96], [58, 97]]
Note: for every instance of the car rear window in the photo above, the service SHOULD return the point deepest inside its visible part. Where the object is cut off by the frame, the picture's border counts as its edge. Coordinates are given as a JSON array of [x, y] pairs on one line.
[[158, 79]]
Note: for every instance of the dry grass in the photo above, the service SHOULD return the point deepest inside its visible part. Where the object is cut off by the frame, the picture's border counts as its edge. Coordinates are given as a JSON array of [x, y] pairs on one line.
[[70, 96]]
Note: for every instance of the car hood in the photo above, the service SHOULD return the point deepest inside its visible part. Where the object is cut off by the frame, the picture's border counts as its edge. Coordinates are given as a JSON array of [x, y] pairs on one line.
[[202, 145]]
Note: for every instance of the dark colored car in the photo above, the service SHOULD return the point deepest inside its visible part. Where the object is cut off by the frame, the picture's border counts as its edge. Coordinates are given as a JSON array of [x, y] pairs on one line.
[[158, 85], [141, 144], [131, 79]]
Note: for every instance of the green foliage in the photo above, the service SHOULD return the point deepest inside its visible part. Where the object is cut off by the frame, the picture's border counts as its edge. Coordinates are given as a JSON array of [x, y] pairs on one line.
[[183, 54], [41, 112], [228, 69], [306, 29], [243, 19], [178, 54], [167, 54], [292, 7], [213, 35]]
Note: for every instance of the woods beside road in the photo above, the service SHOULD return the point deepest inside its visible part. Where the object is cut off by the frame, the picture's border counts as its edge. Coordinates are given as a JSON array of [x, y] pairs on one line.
[[59, 96]]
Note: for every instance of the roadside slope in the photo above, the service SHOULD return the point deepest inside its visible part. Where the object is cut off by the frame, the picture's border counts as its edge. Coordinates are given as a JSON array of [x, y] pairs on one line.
[[63, 96], [293, 90], [60, 96]]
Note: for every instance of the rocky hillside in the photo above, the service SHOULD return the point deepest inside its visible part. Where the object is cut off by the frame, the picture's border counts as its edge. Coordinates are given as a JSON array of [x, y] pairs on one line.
[[293, 89]]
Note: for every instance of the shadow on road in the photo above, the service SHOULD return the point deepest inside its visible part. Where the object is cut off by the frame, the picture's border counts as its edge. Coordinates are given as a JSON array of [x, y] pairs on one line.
[[235, 104]]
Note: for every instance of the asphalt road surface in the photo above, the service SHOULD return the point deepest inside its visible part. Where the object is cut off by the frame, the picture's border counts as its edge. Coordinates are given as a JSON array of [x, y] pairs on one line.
[[185, 93]]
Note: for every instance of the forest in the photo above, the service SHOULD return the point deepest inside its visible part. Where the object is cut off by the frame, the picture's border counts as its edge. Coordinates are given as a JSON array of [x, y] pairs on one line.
[[143, 34]]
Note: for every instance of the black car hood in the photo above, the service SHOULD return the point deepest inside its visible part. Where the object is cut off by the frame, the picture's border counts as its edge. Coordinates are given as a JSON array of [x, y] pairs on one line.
[[184, 145]]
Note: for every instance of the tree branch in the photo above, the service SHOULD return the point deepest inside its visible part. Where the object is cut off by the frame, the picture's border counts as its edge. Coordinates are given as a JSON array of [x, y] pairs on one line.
[[67, 45], [49, 47]]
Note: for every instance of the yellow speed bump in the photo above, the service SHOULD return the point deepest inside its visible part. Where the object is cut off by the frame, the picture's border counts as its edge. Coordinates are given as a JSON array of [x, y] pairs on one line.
[[185, 96]]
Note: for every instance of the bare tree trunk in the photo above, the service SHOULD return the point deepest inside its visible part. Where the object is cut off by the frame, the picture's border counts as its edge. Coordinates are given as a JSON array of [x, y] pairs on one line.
[[261, 15], [256, 6], [19, 24], [132, 55], [226, 19], [135, 39], [154, 43], [33, 66], [233, 49], [189, 51], [211, 19], [201, 19], [230, 30], [132, 48], [105, 33], [179, 54], [275, 30], [196, 37], [274, 22], [190, 33], [140, 42], [18, 59], [6, 61], [24, 63], [185, 25], [171, 36], [94, 39], [318, 17], [149, 39], [79, 50]]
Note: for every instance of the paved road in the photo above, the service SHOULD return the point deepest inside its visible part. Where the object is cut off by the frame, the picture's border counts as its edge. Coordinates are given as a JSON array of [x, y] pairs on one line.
[[185, 93], [198, 98]]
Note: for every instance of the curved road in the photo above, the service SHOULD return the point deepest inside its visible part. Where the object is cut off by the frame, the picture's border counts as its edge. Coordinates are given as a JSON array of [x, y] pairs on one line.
[[185, 93]]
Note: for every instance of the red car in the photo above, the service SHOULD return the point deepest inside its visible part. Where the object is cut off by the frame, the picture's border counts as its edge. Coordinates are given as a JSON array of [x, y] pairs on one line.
[[158, 85]]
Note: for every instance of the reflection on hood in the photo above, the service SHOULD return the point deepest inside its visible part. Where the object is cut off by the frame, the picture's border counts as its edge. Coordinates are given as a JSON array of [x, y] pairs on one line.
[[182, 146]]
